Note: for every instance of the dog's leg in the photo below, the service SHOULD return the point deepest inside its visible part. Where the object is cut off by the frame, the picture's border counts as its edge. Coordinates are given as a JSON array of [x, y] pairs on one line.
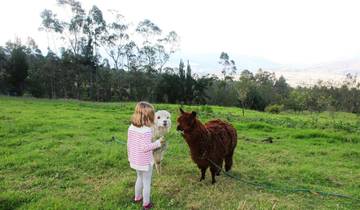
[[203, 172], [213, 173]]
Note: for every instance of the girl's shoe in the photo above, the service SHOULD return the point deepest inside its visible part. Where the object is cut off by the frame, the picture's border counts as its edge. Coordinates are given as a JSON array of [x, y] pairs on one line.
[[137, 201], [148, 206]]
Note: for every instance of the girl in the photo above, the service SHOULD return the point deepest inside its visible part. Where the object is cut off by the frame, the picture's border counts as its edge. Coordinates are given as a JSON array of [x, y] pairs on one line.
[[140, 150]]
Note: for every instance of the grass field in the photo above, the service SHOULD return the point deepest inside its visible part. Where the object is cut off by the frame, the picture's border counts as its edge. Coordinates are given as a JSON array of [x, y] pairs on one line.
[[57, 154]]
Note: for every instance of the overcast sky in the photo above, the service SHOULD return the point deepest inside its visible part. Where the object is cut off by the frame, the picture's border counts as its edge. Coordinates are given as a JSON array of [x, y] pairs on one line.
[[301, 32]]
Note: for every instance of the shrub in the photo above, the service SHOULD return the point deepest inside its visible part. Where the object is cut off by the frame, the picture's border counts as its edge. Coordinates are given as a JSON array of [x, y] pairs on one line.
[[275, 108], [260, 126]]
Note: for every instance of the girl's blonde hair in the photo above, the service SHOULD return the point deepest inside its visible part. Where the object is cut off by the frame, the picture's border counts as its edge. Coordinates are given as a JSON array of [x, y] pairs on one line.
[[143, 115]]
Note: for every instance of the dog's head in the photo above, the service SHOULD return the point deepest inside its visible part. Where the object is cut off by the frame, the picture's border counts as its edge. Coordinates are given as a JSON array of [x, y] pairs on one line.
[[163, 119], [186, 120]]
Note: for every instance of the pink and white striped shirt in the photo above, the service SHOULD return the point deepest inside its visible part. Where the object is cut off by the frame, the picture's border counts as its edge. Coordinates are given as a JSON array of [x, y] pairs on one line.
[[140, 147]]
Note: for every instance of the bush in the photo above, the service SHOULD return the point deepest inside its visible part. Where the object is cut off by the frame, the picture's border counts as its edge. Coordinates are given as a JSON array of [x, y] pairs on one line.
[[275, 108]]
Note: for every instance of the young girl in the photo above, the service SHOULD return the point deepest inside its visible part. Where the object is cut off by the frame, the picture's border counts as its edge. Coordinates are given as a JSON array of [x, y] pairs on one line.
[[140, 150]]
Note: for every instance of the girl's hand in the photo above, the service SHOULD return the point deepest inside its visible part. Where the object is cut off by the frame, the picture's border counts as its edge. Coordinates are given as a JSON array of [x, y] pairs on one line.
[[162, 141]]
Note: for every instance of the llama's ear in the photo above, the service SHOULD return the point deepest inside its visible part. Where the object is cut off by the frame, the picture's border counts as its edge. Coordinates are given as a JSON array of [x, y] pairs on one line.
[[181, 111], [193, 114]]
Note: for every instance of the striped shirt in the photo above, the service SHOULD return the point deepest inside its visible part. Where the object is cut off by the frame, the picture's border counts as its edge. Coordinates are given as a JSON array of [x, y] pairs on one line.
[[139, 147]]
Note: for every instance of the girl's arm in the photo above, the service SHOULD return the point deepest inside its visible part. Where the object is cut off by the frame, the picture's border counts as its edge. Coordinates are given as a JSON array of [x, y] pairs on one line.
[[148, 146]]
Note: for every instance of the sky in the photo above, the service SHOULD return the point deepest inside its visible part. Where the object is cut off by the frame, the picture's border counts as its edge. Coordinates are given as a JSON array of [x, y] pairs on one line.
[[288, 32]]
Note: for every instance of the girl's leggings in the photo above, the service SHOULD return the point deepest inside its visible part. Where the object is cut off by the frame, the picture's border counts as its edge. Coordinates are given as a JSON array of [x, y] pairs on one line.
[[143, 184]]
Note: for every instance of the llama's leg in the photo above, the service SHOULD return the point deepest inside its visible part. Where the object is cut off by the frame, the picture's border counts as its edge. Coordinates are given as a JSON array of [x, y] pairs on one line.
[[219, 170], [229, 161], [163, 149], [157, 160], [203, 171], [158, 167], [213, 172]]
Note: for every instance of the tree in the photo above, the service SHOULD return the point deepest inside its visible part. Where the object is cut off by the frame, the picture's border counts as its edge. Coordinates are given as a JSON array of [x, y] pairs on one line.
[[4, 57], [246, 82], [182, 79], [56, 76], [36, 81], [168, 89], [94, 28], [189, 82], [315, 100], [228, 66], [155, 51], [296, 100], [265, 82], [147, 52], [165, 47], [226, 84], [73, 29], [50, 24], [200, 86], [282, 89], [18, 70], [116, 39]]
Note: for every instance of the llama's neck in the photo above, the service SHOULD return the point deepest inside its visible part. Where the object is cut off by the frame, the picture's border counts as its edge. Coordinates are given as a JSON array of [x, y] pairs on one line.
[[196, 137], [159, 131]]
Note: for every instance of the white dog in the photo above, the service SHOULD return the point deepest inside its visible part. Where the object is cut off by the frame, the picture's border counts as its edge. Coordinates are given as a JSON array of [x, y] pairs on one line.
[[162, 125]]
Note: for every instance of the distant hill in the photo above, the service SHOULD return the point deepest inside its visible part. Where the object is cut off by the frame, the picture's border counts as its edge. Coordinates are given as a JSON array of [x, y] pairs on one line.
[[207, 63], [331, 71]]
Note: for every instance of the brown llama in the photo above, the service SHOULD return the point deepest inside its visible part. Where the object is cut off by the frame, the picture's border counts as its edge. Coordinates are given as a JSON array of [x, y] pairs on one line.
[[211, 143]]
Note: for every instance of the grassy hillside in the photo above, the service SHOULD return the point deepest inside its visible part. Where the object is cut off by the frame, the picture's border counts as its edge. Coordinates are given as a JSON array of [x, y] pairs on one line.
[[60, 155]]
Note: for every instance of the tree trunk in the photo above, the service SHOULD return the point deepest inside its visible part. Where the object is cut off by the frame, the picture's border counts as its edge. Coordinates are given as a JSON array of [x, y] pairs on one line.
[[243, 109]]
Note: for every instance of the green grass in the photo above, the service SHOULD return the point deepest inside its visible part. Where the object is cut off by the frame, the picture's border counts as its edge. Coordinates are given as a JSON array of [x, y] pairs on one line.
[[59, 154]]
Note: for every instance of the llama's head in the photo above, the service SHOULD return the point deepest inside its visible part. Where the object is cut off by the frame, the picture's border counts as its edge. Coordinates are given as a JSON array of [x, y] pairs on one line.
[[163, 119], [186, 121]]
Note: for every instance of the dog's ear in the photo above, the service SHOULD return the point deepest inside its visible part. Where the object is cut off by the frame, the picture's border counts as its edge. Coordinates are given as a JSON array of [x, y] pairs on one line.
[[193, 114], [182, 111]]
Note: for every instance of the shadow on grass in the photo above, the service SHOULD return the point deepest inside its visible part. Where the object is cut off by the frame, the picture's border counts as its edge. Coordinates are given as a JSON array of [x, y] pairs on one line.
[[12, 203]]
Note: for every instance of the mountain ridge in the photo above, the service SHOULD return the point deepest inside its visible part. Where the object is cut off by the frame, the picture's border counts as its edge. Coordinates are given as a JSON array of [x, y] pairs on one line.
[[334, 72]]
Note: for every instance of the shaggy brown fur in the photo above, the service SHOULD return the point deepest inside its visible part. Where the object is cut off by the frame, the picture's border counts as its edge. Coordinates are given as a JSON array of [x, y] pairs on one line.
[[216, 140]]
